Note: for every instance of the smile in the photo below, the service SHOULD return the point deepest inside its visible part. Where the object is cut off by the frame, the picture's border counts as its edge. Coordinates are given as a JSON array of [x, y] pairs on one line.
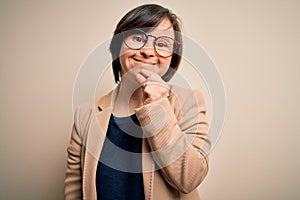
[[144, 62]]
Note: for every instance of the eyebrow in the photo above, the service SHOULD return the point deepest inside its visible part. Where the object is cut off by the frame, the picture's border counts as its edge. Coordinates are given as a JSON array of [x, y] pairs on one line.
[[170, 33]]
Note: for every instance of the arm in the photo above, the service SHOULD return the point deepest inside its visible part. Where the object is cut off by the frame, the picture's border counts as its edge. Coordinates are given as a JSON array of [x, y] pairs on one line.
[[73, 182], [181, 145]]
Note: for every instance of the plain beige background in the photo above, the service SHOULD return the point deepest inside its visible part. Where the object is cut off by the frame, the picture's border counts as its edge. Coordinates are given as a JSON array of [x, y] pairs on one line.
[[254, 43]]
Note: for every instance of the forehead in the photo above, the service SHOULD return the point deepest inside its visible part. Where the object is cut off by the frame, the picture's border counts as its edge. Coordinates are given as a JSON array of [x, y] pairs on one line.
[[164, 28]]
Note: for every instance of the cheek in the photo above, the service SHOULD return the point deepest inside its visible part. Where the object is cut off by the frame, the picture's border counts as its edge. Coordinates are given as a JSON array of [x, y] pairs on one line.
[[164, 65], [123, 50], [123, 57], [165, 62]]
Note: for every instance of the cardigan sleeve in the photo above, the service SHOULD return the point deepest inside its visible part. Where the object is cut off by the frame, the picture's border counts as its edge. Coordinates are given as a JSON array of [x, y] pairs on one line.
[[73, 178], [177, 134]]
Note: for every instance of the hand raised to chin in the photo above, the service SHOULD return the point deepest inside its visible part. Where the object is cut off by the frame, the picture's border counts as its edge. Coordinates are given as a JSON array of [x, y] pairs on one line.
[[153, 86]]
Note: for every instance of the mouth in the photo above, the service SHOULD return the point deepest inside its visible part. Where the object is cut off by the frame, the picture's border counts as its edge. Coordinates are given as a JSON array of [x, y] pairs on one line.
[[143, 62]]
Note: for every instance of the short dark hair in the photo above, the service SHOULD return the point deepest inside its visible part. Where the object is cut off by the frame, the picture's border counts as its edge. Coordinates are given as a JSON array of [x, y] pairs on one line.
[[148, 15]]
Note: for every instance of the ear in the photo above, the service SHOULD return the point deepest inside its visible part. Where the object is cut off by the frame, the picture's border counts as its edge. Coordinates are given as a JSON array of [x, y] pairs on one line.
[[99, 108]]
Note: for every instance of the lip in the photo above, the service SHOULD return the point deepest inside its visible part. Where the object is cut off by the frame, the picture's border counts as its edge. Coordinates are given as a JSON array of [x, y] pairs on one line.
[[144, 62]]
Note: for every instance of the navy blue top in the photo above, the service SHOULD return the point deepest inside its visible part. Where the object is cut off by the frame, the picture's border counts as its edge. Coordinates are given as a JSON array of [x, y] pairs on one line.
[[119, 170]]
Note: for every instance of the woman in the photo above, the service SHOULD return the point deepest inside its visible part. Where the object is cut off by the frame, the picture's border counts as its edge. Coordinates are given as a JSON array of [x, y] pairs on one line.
[[145, 139]]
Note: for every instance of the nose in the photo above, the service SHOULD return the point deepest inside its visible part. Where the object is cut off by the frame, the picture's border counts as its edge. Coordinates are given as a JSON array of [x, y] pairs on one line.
[[148, 50]]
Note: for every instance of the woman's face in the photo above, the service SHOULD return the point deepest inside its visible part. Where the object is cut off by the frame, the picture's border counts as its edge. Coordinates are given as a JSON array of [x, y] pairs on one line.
[[146, 57]]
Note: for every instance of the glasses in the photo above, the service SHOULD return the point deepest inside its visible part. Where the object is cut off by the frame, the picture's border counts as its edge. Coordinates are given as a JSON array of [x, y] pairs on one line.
[[164, 46]]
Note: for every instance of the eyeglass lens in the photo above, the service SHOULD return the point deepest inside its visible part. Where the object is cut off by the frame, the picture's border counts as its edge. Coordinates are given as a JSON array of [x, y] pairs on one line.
[[136, 39]]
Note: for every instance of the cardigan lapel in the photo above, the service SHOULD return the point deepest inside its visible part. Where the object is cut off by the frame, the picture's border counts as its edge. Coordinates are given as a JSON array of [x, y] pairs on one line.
[[99, 124], [95, 139]]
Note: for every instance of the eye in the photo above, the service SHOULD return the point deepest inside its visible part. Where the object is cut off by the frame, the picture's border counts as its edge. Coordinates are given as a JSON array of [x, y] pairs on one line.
[[137, 38], [161, 44], [164, 43]]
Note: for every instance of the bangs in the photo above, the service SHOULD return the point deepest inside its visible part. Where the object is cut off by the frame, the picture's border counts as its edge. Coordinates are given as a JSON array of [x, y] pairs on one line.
[[143, 17]]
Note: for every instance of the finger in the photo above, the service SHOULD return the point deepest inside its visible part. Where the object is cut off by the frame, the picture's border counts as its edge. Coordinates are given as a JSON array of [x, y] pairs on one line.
[[152, 76], [164, 85], [154, 93], [140, 78]]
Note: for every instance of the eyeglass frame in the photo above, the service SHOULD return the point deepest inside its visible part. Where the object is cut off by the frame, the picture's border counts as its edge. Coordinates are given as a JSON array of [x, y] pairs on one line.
[[176, 43]]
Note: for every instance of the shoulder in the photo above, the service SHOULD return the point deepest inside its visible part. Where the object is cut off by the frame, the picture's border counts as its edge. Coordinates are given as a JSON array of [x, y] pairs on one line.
[[82, 116]]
